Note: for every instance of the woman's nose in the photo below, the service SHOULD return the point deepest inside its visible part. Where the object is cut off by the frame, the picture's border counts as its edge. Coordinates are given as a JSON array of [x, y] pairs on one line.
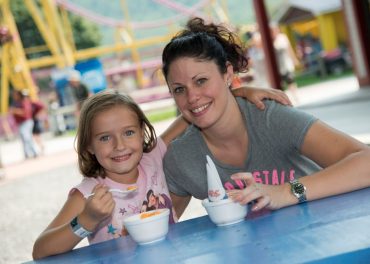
[[193, 95]]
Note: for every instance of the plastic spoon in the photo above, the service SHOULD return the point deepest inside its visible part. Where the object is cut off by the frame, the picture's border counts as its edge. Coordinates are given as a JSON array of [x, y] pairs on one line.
[[122, 192]]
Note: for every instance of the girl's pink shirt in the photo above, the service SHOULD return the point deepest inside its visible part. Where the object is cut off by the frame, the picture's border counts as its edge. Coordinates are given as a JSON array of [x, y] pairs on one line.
[[151, 178]]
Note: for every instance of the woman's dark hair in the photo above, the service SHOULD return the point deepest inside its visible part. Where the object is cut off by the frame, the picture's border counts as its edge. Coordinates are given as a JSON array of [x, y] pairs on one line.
[[206, 42]]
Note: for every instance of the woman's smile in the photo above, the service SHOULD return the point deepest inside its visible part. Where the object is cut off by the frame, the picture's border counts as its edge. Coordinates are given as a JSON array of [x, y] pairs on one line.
[[200, 110]]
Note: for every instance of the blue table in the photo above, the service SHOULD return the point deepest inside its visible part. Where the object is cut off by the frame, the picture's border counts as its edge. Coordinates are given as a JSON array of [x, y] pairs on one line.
[[331, 230]]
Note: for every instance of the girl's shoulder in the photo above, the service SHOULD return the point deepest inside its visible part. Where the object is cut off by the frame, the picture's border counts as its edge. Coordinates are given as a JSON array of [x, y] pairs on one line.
[[156, 154], [86, 185]]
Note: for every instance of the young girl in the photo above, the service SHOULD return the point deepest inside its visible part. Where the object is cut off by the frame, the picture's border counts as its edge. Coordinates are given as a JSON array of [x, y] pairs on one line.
[[117, 149]]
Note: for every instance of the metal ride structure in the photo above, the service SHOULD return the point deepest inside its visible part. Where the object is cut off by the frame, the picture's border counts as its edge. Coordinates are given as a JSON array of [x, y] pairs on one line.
[[51, 19]]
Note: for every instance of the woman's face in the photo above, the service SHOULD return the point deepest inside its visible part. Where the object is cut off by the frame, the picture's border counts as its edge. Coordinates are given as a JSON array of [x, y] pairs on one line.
[[117, 143], [200, 91]]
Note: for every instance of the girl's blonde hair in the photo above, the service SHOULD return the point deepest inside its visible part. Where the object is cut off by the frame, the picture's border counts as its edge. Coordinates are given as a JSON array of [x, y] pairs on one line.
[[88, 164]]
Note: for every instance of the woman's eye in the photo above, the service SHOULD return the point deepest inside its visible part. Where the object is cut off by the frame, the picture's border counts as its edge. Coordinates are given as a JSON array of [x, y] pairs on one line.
[[201, 81], [104, 138], [177, 90]]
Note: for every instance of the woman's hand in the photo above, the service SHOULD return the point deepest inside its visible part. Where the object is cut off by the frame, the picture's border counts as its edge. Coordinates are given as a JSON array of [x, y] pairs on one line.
[[98, 207], [256, 95], [263, 196]]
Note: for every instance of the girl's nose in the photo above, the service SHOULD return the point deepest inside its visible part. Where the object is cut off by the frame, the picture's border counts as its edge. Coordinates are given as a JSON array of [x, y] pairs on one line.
[[120, 143]]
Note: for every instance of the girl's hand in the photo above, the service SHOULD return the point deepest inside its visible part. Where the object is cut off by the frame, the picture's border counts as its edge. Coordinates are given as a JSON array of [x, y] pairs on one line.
[[98, 207], [256, 95], [263, 196]]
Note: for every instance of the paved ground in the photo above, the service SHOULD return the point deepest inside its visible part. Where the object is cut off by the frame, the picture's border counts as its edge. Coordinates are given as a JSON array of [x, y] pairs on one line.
[[34, 190]]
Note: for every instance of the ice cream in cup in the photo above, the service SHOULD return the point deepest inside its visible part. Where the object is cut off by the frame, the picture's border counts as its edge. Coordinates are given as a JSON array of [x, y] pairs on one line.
[[221, 209], [216, 191]]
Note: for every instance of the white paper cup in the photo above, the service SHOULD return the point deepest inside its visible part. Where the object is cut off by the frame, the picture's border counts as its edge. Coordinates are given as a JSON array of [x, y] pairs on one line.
[[149, 229], [225, 212]]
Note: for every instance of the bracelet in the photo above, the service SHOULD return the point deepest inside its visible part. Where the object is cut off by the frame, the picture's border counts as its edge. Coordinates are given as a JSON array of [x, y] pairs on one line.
[[78, 229]]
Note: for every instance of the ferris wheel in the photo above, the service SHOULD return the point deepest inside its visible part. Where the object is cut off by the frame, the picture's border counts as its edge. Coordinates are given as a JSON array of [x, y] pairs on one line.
[[182, 12], [51, 19]]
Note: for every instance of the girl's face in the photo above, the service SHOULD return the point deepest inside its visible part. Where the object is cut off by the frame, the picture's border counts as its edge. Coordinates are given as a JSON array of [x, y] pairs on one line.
[[117, 143], [200, 90]]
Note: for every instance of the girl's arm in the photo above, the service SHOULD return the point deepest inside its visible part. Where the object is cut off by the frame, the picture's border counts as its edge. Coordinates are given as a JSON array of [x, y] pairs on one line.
[[59, 236], [256, 95]]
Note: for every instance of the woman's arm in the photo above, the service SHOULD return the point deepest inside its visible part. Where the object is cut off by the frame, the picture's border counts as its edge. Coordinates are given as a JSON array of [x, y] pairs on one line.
[[256, 95], [346, 164], [345, 160], [174, 130]]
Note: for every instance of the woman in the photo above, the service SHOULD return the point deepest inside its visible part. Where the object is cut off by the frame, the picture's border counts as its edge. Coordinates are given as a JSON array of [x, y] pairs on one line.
[[276, 157]]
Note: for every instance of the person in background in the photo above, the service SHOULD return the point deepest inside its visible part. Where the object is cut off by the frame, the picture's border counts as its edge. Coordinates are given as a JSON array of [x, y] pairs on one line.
[[274, 158], [258, 62], [286, 59], [21, 109], [38, 114], [56, 119], [79, 90]]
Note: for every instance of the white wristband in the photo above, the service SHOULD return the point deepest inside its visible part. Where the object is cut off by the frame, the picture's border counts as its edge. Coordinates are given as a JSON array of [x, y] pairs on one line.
[[78, 229]]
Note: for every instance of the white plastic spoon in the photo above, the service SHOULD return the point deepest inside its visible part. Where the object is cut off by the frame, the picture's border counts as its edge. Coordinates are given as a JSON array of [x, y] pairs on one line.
[[122, 192]]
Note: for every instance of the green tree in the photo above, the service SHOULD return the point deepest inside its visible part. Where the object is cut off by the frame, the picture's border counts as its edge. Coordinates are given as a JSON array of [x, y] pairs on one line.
[[85, 33]]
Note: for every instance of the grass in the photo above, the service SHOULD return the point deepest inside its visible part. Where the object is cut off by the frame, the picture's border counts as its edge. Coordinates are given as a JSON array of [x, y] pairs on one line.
[[160, 115], [309, 79]]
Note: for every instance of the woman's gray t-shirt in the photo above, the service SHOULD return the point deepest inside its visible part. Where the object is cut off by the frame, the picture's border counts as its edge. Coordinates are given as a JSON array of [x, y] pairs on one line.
[[275, 138]]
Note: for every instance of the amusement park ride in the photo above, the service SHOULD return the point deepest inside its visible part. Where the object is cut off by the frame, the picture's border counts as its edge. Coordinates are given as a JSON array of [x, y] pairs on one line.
[[51, 19]]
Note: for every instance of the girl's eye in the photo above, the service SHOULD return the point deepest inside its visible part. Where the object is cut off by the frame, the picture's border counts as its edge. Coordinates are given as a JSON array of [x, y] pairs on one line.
[[178, 90], [104, 138], [129, 132]]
